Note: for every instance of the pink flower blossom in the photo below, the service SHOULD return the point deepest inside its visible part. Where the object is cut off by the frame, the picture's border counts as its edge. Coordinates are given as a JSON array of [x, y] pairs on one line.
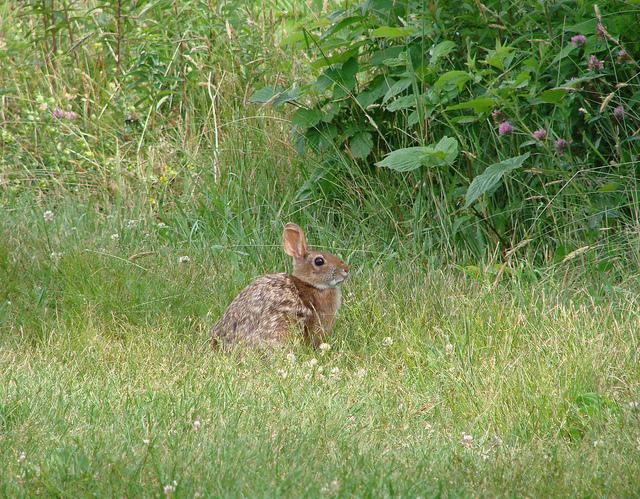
[[561, 145], [505, 128], [578, 40], [618, 112], [70, 115], [539, 134], [61, 113], [601, 31], [594, 63], [58, 113]]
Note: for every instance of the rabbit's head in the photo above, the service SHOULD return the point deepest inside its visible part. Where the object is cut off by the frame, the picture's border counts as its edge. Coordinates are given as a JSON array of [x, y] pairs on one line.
[[320, 269]]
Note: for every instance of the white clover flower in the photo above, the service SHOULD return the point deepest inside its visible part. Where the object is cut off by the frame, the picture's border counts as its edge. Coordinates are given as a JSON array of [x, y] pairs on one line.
[[361, 373], [146, 441], [115, 237], [335, 372], [449, 349], [55, 256], [48, 216], [184, 259], [282, 373], [171, 488], [388, 341], [291, 357], [324, 347], [312, 362], [467, 441], [196, 425], [131, 224], [22, 457], [633, 405], [162, 225]]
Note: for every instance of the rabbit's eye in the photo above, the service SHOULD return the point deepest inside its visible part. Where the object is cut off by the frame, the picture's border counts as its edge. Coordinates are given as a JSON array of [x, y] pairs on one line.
[[318, 261]]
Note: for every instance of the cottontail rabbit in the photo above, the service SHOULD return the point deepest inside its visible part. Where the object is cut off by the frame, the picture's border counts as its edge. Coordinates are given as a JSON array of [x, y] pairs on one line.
[[268, 310]]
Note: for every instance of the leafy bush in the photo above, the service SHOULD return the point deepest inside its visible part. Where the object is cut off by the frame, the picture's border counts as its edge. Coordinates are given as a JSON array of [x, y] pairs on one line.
[[539, 97]]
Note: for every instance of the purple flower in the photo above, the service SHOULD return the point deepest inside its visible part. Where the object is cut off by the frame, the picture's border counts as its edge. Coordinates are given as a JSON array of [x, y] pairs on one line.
[[594, 63], [561, 145], [539, 134], [70, 115], [58, 113], [618, 112], [505, 128], [601, 31], [578, 40]]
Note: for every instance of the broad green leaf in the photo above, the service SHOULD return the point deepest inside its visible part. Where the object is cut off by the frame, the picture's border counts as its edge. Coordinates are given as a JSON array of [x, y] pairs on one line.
[[479, 105], [489, 178], [361, 144], [451, 79], [392, 32], [566, 50], [553, 95], [441, 50], [306, 118], [375, 90], [398, 87], [501, 57], [380, 56], [443, 153], [265, 94], [404, 102], [609, 187]]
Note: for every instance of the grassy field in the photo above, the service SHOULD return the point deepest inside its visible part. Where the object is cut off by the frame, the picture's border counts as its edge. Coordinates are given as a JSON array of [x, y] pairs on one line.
[[124, 234], [107, 384]]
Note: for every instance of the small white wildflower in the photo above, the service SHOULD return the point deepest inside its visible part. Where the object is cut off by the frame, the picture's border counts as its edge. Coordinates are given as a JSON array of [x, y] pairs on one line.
[[291, 357], [146, 441], [388, 341], [312, 362], [335, 372], [361, 373], [171, 488], [184, 259], [330, 488], [596, 443], [8, 302], [55, 256], [633, 405], [282, 373], [467, 441], [196, 425], [449, 349], [22, 457], [320, 369], [48, 216], [131, 224], [324, 347], [115, 237], [162, 225]]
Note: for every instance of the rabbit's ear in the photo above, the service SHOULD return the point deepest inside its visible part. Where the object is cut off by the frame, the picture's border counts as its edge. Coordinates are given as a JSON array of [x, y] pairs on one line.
[[294, 242]]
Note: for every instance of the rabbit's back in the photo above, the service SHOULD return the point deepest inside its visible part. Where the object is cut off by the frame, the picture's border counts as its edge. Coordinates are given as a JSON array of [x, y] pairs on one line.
[[262, 313]]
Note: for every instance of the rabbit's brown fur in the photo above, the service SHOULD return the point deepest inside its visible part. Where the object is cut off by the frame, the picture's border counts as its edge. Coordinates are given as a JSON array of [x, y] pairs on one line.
[[273, 307]]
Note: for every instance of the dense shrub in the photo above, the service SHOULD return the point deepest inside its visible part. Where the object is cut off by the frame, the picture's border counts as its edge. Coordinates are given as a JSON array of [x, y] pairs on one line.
[[537, 103]]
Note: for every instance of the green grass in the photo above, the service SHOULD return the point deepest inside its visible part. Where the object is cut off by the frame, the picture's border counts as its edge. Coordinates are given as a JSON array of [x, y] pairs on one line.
[[99, 355]]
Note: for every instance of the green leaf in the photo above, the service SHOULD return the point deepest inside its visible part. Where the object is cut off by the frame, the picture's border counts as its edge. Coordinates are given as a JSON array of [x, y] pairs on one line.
[[566, 50], [479, 105], [443, 153], [398, 87], [451, 79], [392, 32], [265, 94], [361, 145], [375, 90], [441, 50], [489, 178], [306, 118], [404, 102], [501, 57], [552, 96]]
